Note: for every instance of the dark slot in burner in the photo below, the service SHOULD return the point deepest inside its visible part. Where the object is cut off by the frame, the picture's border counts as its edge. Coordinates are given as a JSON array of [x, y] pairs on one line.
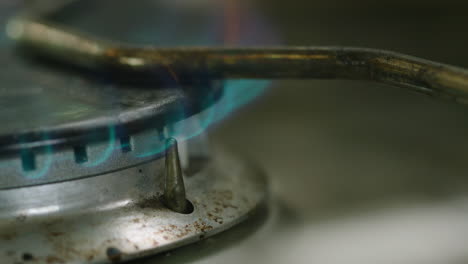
[[28, 160], [81, 155], [125, 144]]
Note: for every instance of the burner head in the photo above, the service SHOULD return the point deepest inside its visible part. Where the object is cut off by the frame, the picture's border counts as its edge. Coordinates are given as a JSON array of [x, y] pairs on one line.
[[75, 119], [62, 123], [61, 112]]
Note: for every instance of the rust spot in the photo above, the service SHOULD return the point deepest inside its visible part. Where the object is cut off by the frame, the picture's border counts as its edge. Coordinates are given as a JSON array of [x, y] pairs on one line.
[[9, 236], [227, 195], [230, 206], [215, 218], [62, 247], [56, 234], [202, 226], [91, 254], [54, 259], [114, 254], [153, 202], [174, 231]]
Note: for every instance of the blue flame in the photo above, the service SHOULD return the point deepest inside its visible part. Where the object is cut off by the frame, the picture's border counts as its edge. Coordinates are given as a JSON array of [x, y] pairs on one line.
[[36, 174], [107, 152], [236, 93]]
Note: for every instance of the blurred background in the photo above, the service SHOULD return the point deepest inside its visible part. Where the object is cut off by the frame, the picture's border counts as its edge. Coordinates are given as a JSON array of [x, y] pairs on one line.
[[360, 172]]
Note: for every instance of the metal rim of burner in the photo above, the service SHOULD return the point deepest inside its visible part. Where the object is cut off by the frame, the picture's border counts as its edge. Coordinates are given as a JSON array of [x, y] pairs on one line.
[[64, 157], [121, 215], [130, 211]]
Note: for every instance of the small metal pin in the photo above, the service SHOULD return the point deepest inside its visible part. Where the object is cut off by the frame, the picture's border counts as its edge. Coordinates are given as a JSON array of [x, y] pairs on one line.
[[174, 189]]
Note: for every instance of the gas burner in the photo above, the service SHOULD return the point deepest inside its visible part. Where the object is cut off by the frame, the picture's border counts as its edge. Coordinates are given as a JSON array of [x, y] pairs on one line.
[[99, 169], [89, 183], [103, 188]]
